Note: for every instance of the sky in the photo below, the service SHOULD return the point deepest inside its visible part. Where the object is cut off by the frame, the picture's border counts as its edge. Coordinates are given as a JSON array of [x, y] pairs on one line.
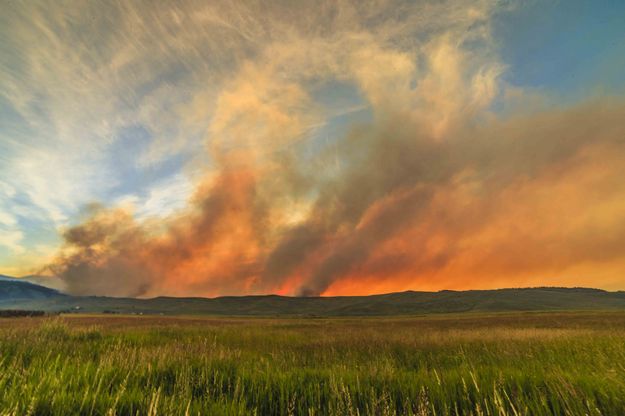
[[195, 148]]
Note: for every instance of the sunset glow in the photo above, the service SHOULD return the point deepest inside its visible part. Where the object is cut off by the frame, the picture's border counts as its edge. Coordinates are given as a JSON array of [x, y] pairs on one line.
[[321, 148]]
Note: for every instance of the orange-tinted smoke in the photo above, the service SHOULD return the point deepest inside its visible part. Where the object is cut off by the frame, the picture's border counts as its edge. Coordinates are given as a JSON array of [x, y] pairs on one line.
[[535, 200], [211, 248]]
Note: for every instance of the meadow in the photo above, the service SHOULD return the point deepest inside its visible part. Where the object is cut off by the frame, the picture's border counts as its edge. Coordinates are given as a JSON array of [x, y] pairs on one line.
[[564, 363]]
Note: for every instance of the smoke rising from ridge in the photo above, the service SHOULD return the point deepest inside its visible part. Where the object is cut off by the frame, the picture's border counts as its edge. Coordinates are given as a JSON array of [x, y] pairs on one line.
[[435, 191]]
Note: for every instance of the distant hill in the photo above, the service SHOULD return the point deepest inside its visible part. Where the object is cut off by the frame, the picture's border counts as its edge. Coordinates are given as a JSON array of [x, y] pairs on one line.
[[23, 295], [16, 291], [46, 281]]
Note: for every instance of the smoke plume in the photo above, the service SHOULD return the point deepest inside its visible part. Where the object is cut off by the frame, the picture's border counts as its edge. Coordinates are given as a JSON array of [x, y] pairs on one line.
[[435, 190]]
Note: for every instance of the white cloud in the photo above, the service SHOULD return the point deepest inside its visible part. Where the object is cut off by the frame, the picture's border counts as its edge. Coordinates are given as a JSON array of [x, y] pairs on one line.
[[163, 199], [7, 219], [11, 238]]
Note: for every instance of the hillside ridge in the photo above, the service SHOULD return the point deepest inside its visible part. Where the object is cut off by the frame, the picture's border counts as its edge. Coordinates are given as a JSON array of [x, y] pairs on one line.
[[19, 294]]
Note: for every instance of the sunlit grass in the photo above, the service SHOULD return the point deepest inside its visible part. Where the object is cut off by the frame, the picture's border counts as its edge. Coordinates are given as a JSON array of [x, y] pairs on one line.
[[500, 364]]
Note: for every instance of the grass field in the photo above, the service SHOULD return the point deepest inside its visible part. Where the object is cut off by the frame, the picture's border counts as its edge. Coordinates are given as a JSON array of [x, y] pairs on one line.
[[513, 364]]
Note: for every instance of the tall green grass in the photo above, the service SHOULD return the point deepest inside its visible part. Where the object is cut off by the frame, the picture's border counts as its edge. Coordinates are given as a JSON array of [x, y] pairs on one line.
[[566, 364]]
